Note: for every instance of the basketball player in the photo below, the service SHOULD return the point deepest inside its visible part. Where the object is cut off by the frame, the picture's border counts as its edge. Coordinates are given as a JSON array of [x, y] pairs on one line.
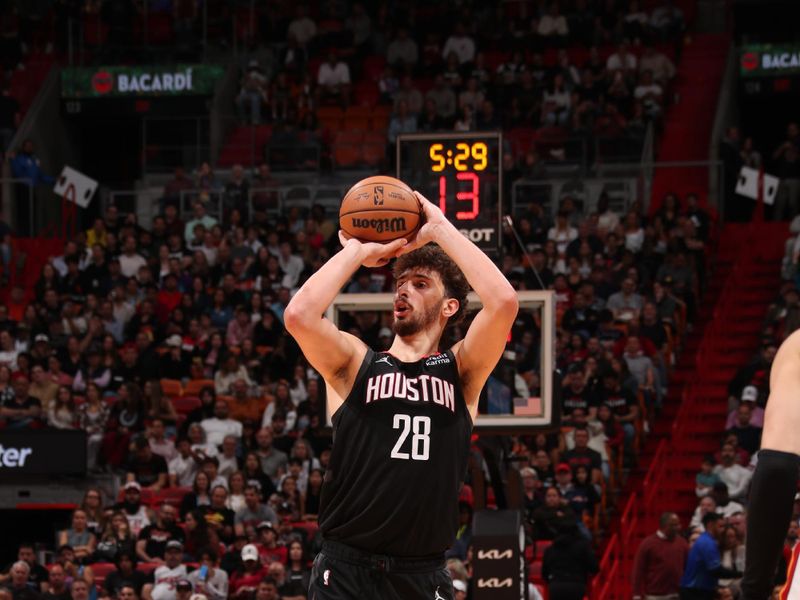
[[774, 482], [402, 419]]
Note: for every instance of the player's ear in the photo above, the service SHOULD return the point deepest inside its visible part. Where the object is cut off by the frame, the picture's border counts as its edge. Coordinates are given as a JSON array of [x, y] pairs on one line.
[[450, 307]]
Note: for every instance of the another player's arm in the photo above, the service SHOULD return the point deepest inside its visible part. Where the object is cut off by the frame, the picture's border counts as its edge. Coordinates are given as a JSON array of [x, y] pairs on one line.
[[477, 354], [335, 354]]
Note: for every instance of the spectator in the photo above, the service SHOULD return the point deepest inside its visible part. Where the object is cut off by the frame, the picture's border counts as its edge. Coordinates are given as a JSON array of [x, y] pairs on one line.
[[219, 517], [548, 517], [220, 425], [254, 512], [147, 469], [402, 121], [302, 28], [199, 496], [37, 574], [443, 100], [623, 405], [183, 467], [461, 44], [658, 64], [230, 372], [735, 476], [228, 460], [20, 586], [582, 455], [706, 478], [199, 218], [78, 536], [622, 60], [137, 514], [130, 261], [269, 547], [626, 304], [273, 461], [61, 412], [402, 50], [660, 559], [20, 410], [748, 435], [79, 590], [732, 552], [333, 79], [568, 563], [115, 541], [724, 505], [267, 589], [298, 573], [252, 96], [166, 576], [749, 398], [209, 579], [650, 94], [703, 566], [57, 584], [250, 577], [152, 544]]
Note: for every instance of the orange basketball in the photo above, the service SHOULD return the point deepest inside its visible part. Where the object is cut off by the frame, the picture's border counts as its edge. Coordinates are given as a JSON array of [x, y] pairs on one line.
[[380, 209]]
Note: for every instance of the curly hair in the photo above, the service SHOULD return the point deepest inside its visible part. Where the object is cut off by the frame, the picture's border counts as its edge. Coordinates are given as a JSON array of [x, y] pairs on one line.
[[432, 258]]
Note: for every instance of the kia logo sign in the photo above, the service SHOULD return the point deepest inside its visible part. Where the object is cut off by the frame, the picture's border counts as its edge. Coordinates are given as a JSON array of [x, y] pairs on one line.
[[494, 554], [494, 582], [103, 82]]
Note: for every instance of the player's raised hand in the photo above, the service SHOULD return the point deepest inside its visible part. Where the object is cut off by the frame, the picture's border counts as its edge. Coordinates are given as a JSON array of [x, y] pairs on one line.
[[374, 254], [433, 217]]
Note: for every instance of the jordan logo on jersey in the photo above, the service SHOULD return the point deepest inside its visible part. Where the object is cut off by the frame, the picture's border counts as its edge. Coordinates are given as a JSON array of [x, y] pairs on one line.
[[385, 360], [425, 388]]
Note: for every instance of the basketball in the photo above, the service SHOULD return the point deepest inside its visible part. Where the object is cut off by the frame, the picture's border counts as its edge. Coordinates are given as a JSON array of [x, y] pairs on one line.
[[380, 209]]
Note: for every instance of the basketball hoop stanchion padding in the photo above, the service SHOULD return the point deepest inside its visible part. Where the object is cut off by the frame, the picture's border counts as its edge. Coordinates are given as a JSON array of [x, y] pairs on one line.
[[69, 212], [498, 556]]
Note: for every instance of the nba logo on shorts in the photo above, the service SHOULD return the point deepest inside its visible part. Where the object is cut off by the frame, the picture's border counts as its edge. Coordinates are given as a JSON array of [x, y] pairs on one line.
[[326, 576], [378, 197]]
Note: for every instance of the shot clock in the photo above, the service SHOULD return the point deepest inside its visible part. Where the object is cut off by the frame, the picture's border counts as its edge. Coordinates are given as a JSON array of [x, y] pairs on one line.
[[463, 173]]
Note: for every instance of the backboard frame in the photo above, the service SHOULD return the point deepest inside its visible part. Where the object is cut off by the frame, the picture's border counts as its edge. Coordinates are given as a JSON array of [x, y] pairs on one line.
[[544, 300]]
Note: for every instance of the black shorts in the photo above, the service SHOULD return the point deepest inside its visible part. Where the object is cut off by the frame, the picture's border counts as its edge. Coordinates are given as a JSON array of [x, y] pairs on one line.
[[344, 573]]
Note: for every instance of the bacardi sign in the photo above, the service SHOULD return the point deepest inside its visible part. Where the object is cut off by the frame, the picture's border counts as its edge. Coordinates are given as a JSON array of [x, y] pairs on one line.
[[769, 60], [140, 81]]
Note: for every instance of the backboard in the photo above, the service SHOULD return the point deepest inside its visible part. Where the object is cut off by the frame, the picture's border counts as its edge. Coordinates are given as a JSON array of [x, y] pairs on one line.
[[519, 394]]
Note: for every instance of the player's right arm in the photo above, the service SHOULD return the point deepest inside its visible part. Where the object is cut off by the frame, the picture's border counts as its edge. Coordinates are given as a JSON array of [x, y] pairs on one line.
[[336, 355]]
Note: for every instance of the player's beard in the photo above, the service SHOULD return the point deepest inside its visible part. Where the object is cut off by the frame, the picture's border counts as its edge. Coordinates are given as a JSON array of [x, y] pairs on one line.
[[414, 323]]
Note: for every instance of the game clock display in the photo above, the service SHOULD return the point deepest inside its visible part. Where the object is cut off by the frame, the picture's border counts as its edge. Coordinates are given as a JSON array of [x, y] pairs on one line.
[[461, 172]]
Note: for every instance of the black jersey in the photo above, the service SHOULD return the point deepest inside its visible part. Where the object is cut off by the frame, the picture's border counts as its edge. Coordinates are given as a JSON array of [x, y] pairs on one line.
[[400, 447]]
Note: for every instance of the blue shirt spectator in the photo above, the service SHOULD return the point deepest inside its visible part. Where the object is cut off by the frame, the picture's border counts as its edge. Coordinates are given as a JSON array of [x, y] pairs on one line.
[[703, 566], [25, 165]]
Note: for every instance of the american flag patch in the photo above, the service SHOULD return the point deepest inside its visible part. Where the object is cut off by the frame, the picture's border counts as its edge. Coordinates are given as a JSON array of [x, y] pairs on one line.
[[528, 407]]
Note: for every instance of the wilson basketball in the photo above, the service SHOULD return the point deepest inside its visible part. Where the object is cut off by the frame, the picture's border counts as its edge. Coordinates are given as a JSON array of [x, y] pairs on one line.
[[380, 209]]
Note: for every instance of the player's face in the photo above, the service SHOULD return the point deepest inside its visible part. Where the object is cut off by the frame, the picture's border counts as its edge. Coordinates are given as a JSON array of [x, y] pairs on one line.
[[417, 302]]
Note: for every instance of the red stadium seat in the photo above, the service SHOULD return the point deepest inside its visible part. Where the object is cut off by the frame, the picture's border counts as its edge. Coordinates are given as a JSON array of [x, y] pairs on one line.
[[373, 153], [193, 387], [346, 156], [172, 496], [172, 388], [185, 404]]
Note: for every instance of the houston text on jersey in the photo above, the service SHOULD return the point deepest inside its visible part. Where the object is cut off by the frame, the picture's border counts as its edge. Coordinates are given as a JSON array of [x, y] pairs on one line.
[[425, 388]]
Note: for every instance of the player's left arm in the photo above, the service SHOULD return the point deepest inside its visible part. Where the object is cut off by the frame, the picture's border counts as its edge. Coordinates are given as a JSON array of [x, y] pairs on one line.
[[477, 354]]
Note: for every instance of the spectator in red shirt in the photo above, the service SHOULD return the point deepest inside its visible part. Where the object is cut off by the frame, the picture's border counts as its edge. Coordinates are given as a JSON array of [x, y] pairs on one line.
[[268, 547], [168, 298], [660, 560], [244, 583]]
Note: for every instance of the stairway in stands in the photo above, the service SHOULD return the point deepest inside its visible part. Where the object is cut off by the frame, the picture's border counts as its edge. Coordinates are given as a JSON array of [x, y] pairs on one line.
[[746, 278], [753, 251]]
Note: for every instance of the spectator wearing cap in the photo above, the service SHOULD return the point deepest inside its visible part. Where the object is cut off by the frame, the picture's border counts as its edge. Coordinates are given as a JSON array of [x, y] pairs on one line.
[[174, 364], [220, 425], [211, 580], [269, 547], [750, 398], [21, 411], [166, 576], [459, 589], [749, 435], [244, 582], [152, 543], [131, 506], [659, 562], [145, 467]]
